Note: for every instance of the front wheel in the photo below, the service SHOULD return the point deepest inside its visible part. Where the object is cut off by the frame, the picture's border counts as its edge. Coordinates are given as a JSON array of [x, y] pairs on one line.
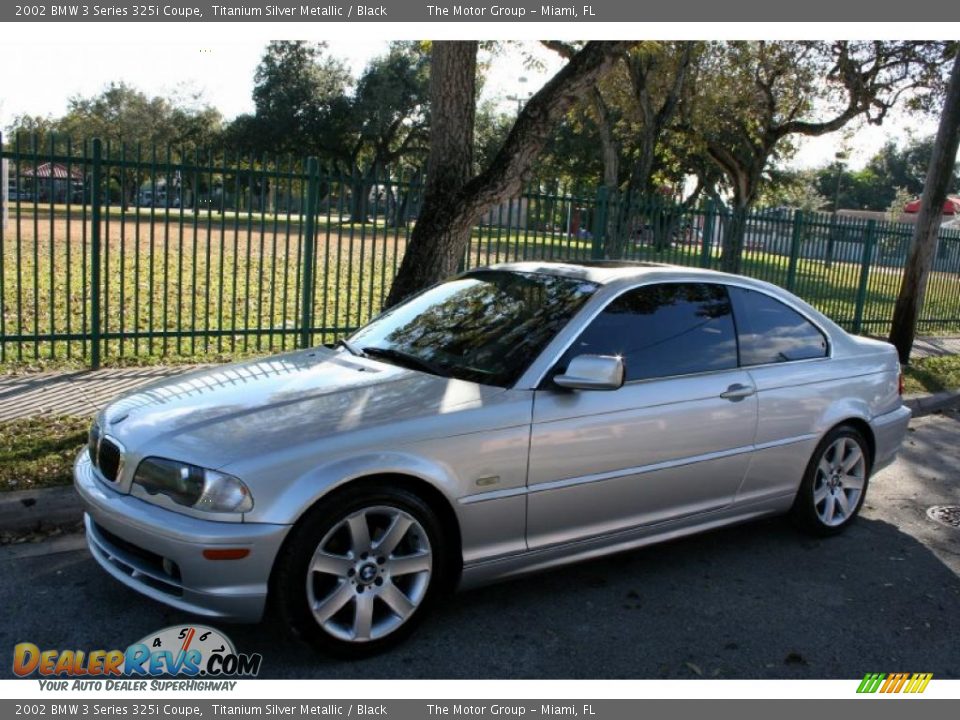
[[834, 484], [360, 570]]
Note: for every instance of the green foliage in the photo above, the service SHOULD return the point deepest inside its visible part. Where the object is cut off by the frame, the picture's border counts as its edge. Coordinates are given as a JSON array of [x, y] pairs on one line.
[[797, 190], [573, 154], [892, 167], [307, 103], [39, 451], [491, 128], [123, 114], [300, 99], [390, 105], [901, 197], [932, 374]]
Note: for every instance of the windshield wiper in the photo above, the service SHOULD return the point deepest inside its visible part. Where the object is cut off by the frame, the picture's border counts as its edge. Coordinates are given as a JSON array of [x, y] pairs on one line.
[[351, 348], [404, 358]]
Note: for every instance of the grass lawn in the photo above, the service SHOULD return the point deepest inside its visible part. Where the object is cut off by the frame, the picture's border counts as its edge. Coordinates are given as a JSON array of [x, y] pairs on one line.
[[238, 279], [932, 374], [39, 452]]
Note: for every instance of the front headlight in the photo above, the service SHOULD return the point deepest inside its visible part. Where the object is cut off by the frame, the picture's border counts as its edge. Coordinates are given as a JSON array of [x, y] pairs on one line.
[[193, 486], [93, 441]]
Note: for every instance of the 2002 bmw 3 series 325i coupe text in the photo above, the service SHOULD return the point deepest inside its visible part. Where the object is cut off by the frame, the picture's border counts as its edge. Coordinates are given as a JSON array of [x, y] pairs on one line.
[[511, 419]]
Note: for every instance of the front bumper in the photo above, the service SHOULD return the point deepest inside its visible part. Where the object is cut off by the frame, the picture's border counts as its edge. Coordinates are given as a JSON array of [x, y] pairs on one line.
[[889, 430], [159, 553]]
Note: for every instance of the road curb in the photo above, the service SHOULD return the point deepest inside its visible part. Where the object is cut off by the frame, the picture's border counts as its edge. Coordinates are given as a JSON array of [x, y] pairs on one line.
[[922, 405], [43, 509]]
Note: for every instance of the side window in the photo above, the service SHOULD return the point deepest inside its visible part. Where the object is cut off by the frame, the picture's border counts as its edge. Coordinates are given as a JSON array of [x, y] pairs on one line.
[[663, 330], [771, 332]]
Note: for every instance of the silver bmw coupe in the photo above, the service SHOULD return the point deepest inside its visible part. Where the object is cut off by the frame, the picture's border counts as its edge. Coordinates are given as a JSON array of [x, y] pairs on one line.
[[511, 419]]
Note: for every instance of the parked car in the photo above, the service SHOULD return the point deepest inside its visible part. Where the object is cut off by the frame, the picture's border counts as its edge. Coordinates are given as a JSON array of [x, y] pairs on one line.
[[512, 419], [158, 199], [15, 193]]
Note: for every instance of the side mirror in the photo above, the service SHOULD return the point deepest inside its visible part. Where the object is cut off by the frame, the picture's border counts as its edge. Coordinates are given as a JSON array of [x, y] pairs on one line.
[[592, 372]]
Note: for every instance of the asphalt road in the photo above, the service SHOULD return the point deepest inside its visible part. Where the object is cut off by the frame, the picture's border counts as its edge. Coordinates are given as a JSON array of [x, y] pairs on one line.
[[754, 601]]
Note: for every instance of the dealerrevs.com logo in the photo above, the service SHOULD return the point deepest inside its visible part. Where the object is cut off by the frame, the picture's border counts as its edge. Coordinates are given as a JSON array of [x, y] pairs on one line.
[[191, 651], [887, 683]]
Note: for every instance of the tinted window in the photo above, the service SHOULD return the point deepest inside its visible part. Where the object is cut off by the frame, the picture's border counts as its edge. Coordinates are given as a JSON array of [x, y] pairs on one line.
[[771, 332], [485, 327], [661, 330]]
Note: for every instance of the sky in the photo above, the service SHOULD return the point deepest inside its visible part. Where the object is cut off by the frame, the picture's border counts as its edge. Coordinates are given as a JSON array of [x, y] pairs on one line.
[[38, 79]]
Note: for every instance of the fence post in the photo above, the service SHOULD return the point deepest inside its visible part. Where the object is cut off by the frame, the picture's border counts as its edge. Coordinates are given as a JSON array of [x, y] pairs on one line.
[[795, 237], [599, 225], [865, 261], [706, 244], [306, 301], [96, 199]]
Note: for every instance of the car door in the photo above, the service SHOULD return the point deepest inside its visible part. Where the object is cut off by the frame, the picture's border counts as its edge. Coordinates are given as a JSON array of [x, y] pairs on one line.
[[673, 441]]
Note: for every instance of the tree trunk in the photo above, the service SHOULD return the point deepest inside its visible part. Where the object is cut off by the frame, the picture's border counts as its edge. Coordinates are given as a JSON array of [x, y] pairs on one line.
[[733, 235], [440, 238], [610, 154], [402, 206], [939, 172], [451, 205], [358, 198]]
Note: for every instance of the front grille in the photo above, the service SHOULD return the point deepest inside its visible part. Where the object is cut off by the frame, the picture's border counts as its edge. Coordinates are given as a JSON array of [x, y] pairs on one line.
[[108, 459]]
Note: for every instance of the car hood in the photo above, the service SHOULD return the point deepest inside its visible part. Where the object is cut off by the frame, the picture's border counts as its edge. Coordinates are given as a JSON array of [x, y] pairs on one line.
[[216, 416]]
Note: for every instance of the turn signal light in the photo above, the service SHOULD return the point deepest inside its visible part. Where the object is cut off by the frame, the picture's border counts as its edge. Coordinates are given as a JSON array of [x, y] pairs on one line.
[[900, 385], [226, 553]]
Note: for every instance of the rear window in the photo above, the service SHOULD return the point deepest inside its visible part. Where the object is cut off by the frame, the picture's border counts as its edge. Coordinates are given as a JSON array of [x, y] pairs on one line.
[[771, 332]]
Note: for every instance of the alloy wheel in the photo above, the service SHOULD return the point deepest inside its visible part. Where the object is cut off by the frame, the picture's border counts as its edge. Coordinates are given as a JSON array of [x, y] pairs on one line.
[[840, 478], [369, 574]]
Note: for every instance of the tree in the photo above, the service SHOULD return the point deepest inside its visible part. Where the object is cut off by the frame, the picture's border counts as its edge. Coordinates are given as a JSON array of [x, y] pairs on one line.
[[797, 190], [30, 129], [387, 118], [130, 121], [452, 199], [753, 96], [906, 167], [939, 174], [123, 114], [895, 209], [571, 155], [305, 106], [658, 80], [301, 101], [632, 109]]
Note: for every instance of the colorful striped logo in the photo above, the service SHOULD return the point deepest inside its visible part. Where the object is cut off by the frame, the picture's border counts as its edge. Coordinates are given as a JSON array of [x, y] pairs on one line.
[[894, 682]]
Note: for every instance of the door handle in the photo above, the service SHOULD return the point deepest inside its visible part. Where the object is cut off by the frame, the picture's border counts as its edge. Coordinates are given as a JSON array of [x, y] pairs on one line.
[[737, 392]]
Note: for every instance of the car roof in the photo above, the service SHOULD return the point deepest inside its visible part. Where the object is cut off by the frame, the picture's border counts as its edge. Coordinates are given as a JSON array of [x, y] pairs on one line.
[[605, 272], [620, 273]]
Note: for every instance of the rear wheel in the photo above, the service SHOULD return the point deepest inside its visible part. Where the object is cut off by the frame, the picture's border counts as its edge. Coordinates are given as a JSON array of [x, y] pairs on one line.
[[834, 484], [361, 570]]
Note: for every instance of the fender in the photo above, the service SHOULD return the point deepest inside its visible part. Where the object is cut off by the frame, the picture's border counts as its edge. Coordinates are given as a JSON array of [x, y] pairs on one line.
[[300, 495]]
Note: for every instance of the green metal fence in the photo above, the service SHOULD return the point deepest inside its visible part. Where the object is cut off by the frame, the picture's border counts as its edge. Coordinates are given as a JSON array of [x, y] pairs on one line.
[[120, 253]]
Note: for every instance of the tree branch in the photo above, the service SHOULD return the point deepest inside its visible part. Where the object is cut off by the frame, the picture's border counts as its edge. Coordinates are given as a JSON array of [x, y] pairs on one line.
[[532, 128]]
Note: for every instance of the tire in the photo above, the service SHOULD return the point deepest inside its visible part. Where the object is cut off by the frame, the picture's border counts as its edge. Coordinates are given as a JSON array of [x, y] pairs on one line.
[[361, 570], [834, 483]]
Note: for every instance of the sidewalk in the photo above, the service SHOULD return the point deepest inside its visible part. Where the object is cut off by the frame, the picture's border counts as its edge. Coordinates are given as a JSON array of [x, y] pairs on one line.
[[931, 346], [84, 392], [73, 392]]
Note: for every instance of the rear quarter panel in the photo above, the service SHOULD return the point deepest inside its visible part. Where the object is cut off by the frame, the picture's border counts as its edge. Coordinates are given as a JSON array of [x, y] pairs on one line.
[[800, 402]]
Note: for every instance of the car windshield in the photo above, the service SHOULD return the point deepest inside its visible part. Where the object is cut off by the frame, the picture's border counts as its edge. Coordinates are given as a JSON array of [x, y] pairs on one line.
[[485, 327]]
